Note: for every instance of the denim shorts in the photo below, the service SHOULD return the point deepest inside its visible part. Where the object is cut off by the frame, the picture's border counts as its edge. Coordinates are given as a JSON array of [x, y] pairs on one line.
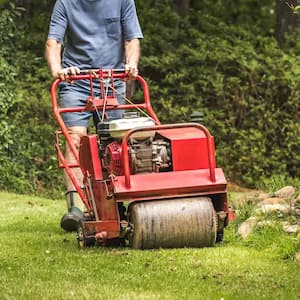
[[74, 95]]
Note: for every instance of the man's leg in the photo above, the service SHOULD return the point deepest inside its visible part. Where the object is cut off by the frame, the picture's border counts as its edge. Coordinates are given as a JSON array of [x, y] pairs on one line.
[[75, 206], [76, 133]]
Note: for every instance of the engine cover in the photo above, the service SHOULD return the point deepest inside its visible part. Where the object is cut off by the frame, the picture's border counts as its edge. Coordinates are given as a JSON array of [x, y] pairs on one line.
[[112, 160]]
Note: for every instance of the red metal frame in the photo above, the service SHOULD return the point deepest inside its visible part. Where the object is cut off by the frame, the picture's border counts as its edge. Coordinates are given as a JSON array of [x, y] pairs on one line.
[[57, 111], [139, 187], [161, 127]]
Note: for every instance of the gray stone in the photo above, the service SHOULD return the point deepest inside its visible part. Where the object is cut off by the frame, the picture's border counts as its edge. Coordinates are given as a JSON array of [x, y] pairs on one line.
[[272, 201], [265, 223], [247, 227], [283, 208], [290, 228], [263, 196], [286, 192]]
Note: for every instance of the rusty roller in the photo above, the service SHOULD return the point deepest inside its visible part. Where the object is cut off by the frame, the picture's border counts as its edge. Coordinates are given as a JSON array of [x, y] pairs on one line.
[[176, 223]]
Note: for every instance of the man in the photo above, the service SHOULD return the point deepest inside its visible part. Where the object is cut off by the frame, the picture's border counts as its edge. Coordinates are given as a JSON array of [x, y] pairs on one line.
[[100, 34]]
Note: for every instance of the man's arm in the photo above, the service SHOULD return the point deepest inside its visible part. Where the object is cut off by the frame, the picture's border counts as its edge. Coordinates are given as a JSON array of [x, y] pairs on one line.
[[132, 55], [53, 57]]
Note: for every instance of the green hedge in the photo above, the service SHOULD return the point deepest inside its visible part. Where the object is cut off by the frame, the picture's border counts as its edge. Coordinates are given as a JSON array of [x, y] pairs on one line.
[[244, 83], [27, 157]]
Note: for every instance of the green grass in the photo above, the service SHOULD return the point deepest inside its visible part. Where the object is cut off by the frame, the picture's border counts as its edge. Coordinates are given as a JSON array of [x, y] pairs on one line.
[[39, 261]]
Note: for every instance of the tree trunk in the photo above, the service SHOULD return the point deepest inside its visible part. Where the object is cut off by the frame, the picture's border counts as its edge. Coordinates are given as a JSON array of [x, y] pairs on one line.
[[286, 20], [182, 6]]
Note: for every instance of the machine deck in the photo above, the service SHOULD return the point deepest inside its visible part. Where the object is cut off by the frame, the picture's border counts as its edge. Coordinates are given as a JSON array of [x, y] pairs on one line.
[[168, 183]]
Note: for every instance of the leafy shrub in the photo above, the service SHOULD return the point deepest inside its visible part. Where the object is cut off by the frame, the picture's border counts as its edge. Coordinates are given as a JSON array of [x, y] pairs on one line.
[[8, 95], [221, 59], [27, 157], [246, 85]]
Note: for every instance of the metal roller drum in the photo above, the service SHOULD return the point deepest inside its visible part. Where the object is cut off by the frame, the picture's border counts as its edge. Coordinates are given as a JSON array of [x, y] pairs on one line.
[[175, 223]]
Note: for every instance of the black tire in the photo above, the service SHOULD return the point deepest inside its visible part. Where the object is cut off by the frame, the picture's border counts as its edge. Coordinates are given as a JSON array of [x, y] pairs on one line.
[[220, 236], [83, 239]]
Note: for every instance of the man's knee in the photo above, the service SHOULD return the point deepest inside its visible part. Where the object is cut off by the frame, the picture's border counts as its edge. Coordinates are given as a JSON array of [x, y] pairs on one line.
[[75, 139], [76, 133]]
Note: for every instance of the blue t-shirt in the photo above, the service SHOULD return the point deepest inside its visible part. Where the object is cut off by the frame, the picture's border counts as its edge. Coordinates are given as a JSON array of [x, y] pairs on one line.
[[95, 31]]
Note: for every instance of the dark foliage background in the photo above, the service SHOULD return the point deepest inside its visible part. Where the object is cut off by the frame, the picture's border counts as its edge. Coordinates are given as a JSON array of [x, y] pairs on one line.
[[220, 58]]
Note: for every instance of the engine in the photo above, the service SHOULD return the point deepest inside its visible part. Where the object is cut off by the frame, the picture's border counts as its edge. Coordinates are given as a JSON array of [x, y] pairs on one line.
[[145, 156], [147, 153]]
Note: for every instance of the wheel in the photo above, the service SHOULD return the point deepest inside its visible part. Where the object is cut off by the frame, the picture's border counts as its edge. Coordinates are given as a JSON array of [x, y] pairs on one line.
[[84, 240], [220, 235], [176, 223]]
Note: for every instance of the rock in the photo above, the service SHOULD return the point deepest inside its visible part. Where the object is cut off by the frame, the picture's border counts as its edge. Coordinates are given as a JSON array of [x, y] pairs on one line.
[[286, 192], [263, 196], [265, 223], [295, 208], [283, 208], [289, 228], [247, 227], [272, 201]]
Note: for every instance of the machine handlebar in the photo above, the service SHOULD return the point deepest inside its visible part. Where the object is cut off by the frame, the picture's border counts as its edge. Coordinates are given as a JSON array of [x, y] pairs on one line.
[[92, 75]]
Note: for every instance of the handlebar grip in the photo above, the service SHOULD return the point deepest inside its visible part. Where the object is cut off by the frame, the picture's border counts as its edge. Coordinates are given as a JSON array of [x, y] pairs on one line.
[[88, 71]]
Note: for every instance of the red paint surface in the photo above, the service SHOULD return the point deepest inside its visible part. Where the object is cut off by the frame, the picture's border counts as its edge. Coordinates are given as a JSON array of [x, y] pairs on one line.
[[89, 157], [181, 182], [189, 148]]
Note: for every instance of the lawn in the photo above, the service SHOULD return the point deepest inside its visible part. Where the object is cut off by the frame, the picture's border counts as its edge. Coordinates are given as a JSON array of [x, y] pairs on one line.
[[39, 261]]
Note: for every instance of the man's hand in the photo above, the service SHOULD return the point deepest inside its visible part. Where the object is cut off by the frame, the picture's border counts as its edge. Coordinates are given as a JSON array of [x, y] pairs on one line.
[[53, 57], [132, 54], [131, 71], [64, 74]]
